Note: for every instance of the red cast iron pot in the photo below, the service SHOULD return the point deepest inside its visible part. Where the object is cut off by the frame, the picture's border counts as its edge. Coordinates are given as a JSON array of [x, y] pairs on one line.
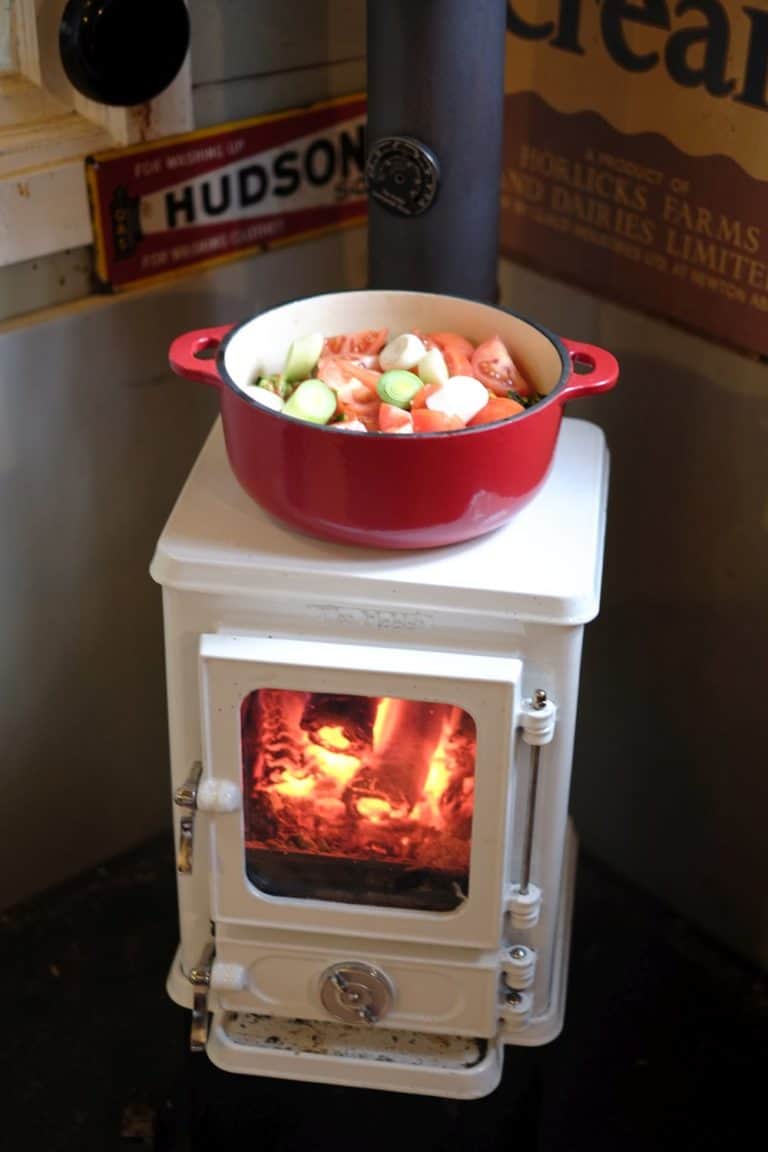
[[378, 489]]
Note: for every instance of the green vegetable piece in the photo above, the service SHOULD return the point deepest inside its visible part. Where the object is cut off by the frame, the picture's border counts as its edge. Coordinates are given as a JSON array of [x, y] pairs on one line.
[[398, 387], [270, 383], [303, 356], [526, 401], [313, 401], [277, 384]]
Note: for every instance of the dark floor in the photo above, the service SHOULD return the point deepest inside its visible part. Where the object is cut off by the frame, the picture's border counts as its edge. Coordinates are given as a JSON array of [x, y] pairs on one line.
[[664, 1045]]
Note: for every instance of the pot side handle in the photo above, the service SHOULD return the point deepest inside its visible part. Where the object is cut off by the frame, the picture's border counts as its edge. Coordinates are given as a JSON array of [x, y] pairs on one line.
[[594, 370], [192, 355]]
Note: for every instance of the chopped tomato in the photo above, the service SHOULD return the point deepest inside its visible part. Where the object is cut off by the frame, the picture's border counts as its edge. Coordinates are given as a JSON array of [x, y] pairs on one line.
[[457, 352], [356, 402], [497, 408], [350, 425], [494, 367], [394, 419], [423, 394], [367, 343], [425, 420], [337, 370], [354, 386]]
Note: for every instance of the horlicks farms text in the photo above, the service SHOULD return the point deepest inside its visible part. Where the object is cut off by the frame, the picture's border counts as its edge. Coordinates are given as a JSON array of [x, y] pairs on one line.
[[635, 159]]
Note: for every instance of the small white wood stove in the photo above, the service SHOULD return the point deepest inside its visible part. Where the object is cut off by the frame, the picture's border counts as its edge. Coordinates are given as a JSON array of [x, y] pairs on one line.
[[371, 759]]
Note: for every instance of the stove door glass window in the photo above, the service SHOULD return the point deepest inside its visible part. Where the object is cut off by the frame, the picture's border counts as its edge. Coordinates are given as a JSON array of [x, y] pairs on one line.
[[358, 799]]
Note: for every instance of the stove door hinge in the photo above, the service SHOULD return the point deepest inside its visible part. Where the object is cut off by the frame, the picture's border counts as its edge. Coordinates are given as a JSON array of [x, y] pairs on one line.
[[518, 969], [200, 979], [523, 908], [538, 717], [197, 795], [515, 1010], [518, 966]]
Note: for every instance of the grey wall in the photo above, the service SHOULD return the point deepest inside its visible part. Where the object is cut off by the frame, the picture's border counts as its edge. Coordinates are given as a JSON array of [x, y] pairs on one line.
[[671, 769], [250, 57], [96, 437]]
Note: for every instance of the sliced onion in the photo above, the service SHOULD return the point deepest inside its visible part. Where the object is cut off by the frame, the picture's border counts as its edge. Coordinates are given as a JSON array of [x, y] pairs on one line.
[[263, 396], [403, 352], [461, 396]]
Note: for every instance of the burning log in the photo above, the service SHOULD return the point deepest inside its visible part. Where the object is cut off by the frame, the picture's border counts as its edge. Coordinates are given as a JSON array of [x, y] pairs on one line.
[[359, 778], [406, 736], [279, 746], [340, 723]]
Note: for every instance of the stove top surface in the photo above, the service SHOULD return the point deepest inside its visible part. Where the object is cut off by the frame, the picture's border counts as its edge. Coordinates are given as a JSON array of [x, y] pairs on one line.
[[544, 565]]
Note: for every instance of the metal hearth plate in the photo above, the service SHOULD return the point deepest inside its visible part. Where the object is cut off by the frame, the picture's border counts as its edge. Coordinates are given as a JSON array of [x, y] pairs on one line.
[[350, 1042]]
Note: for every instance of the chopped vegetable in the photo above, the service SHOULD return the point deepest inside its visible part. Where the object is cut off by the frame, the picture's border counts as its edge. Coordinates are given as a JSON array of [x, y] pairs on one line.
[[351, 425], [277, 384], [313, 401], [264, 396], [415, 383], [357, 402], [493, 365], [336, 371], [403, 352], [461, 396], [457, 351], [432, 368], [424, 420], [368, 343], [497, 408], [394, 419], [398, 387], [421, 397], [303, 356]]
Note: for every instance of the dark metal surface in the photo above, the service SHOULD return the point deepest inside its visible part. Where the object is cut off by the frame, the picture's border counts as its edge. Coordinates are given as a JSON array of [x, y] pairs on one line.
[[436, 75], [663, 1033]]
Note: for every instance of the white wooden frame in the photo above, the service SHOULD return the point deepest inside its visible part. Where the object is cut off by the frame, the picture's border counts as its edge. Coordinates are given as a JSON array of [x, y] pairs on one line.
[[46, 131]]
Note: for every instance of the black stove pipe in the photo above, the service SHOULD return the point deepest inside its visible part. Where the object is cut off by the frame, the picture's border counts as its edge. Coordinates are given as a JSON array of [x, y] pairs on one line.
[[435, 117]]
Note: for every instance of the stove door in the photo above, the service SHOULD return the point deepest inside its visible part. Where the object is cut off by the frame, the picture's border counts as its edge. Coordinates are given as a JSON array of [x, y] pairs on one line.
[[358, 789]]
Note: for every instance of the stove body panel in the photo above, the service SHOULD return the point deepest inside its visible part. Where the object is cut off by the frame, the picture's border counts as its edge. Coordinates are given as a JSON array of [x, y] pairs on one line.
[[252, 607]]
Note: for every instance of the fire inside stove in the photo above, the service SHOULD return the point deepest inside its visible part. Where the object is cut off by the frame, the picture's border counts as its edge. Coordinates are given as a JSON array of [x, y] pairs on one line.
[[358, 799]]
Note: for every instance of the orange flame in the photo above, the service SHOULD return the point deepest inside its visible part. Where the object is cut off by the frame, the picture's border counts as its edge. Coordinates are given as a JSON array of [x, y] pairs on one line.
[[403, 792]]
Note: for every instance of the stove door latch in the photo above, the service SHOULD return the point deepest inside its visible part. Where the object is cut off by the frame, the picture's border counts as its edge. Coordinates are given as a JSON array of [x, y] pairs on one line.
[[200, 979], [194, 796]]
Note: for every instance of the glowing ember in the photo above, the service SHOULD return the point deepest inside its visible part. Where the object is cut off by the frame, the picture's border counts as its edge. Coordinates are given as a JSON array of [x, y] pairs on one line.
[[373, 809], [332, 738], [359, 778]]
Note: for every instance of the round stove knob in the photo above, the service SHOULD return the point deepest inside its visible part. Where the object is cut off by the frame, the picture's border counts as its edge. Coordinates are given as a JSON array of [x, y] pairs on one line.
[[356, 993]]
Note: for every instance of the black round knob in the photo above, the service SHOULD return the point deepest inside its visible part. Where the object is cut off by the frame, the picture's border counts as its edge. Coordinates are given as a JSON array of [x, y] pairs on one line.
[[123, 52]]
